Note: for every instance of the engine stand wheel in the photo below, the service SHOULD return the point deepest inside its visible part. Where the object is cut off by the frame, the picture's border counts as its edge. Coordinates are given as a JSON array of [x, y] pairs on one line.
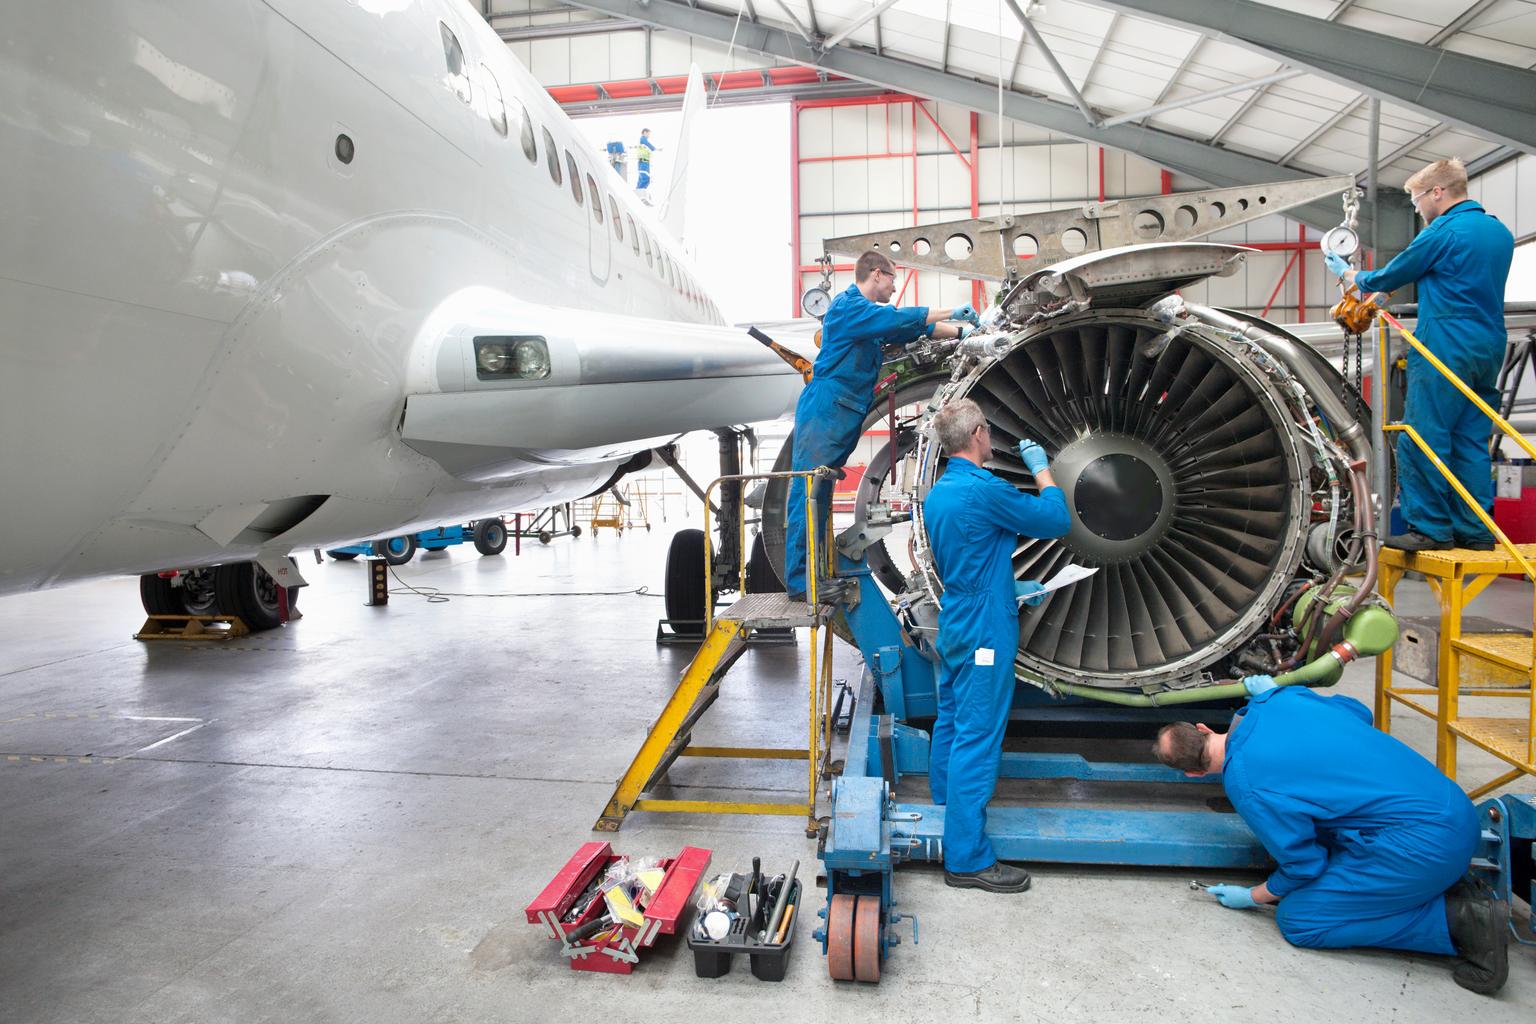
[[866, 939], [840, 937]]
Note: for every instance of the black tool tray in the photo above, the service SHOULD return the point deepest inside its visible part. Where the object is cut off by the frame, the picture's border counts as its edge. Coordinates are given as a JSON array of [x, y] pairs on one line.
[[712, 958]]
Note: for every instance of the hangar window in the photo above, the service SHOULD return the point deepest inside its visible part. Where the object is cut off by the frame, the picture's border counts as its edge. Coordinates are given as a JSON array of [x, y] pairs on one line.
[[530, 150], [495, 109], [613, 212], [570, 165], [552, 157], [453, 55], [634, 236], [511, 357], [597, 199]]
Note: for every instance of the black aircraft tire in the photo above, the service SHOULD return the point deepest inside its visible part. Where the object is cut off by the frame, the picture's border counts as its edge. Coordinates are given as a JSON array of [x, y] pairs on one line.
[[490, 536], [159, 597], [342, 556], [685, 576], [245, 589], [761, 576]]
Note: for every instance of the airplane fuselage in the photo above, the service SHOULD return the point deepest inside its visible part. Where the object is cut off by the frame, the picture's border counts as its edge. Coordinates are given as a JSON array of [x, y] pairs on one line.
[[247, 250]]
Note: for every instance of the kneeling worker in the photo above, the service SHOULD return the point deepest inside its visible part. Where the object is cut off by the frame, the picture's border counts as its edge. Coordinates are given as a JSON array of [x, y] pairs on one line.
[[829, 416], [974, 523], [1372, 841]]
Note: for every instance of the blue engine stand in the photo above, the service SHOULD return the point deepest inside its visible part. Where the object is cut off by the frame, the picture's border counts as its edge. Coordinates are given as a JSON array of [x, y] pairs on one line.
[[869, 832]]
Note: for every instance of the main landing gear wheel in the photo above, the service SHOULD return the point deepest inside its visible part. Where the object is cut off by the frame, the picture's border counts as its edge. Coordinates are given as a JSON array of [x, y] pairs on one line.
[[853, 938], [247, 590]]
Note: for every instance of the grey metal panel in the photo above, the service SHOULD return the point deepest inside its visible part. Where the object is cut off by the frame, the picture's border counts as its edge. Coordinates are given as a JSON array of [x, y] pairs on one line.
[[1495, 99], [1210, 164]]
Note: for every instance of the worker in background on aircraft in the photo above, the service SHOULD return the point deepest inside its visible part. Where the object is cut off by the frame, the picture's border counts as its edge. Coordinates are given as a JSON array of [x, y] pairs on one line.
[[974, 522], [1372, 841], [1460, 262], [829, 416], [643, 151]]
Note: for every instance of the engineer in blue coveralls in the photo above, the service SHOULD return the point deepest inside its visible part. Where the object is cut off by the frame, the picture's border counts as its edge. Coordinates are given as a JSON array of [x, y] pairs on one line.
[[643, 150], [829, 416], [1372, 841], [1460, 262], [974, 522]]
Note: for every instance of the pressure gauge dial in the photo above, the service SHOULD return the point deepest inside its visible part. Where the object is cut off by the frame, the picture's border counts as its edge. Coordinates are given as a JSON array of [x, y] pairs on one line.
[[1341, 240], [815, 302]]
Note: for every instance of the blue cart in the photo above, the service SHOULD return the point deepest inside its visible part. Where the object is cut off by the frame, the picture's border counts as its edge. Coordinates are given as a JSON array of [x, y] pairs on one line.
[[488, 535]]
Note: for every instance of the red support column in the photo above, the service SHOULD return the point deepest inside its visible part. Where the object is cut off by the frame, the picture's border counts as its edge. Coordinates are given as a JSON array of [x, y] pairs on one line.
[[794, 207], [1166, 181], [1301, 275], [1101, 174]]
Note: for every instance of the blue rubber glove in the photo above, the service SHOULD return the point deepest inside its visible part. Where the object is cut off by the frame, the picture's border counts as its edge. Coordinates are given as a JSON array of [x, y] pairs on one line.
[[1335, 263], [967, 313], [1256, 685], [964, 329], [1034, 456], [1029, 592], [1237, 897]]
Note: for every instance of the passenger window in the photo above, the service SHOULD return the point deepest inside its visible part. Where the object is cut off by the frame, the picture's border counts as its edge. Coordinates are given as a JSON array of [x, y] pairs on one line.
[[453, 56], [575, 172], [495, 109], [613, 212], [552, 157], [634, 236], [530, 150], [597, 199], [647, 250]]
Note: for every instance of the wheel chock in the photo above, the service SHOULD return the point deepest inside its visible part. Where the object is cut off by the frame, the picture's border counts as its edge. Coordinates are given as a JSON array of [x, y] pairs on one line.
[[192, 627]]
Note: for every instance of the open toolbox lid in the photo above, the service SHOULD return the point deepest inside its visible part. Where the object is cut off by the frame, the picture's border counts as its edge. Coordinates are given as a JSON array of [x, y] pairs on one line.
[[660, 915]]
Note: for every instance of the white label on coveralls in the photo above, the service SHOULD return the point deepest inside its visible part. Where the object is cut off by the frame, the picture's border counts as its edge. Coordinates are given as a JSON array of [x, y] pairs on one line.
[[983, 655]]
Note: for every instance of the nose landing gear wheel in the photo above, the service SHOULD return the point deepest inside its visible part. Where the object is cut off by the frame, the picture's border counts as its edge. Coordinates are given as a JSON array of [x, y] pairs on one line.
[[853, 938]]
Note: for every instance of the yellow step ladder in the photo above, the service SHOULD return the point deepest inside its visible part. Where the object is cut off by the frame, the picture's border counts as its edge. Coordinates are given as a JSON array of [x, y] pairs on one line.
[[671, 736], [1468, 665]]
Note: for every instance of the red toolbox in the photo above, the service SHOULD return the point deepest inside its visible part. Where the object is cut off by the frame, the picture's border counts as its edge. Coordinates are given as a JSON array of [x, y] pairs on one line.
[[614, 950]]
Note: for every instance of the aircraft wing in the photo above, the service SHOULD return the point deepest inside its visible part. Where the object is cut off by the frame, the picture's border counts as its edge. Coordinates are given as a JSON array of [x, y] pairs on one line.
[[500, 388]]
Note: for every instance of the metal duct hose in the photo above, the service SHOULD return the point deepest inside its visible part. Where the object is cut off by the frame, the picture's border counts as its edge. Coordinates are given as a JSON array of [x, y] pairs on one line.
[[1186, 481]]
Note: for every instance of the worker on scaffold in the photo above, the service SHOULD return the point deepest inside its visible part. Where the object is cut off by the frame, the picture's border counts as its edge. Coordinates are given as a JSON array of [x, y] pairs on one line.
[[1460, 262], [829, 416], [974, 520], [643, 150], [1370, 840]]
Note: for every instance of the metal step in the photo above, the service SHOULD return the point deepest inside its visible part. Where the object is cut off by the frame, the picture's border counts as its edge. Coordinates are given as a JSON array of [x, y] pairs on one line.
[[774, 610]]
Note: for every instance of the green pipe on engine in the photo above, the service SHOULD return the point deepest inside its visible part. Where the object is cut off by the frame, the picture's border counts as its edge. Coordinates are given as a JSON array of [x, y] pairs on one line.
[[1372, 630], [1223, 691]]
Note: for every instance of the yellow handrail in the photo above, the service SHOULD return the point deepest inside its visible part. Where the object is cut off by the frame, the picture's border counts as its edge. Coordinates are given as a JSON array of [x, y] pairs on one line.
[[1487, 410], [1446, 372], [809, 475]]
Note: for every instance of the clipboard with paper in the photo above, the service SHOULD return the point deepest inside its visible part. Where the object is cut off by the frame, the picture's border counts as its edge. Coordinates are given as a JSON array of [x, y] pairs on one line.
[[1070, 573]]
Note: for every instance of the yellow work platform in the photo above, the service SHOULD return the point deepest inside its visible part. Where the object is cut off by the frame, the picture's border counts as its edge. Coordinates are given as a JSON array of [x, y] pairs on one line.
[[671, 736], [1468, 665]]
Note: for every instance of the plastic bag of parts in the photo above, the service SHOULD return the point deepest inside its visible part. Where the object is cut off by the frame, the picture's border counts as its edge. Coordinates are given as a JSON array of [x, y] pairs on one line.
[[629, 884]]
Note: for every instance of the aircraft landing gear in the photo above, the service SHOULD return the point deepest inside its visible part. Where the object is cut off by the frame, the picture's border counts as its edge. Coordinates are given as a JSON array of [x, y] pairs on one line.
[[238, 588]]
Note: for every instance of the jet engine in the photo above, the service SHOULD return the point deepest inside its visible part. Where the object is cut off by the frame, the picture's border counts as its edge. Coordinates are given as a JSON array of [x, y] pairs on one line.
[[1216, 470]]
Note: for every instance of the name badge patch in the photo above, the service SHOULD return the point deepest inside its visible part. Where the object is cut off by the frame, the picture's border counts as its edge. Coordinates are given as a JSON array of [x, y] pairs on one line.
[[983, 655]]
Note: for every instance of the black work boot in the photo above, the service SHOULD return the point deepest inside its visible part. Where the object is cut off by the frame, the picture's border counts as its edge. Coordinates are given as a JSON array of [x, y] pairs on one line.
[[999, 877], [1412, 540], [1479, 930]]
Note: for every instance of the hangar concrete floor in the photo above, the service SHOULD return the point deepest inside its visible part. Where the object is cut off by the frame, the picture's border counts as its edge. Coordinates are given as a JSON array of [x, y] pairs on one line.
[[342, 821]]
